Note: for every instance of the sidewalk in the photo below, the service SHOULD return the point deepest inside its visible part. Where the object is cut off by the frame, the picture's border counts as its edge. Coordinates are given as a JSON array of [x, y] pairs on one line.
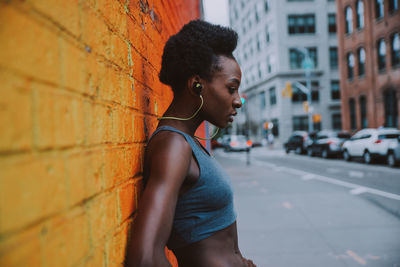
[[283, 221]]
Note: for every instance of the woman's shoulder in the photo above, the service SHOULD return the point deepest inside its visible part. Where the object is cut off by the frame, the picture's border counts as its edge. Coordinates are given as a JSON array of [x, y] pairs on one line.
[[168, 143]]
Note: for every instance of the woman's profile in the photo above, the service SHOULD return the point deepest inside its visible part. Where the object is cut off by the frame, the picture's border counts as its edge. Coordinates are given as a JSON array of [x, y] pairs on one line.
[[187, 203]]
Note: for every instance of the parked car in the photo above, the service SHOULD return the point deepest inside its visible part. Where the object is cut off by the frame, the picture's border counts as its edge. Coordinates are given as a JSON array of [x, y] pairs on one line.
[[299, 142], [236, 143], [216, 143], [393, 156], [371, 144], [328, 144]]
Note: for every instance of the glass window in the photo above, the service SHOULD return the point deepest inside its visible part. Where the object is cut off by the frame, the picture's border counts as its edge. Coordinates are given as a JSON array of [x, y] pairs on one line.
[[393, 6], [269, 64], [381, 55], [267, 35], [395, 49], [391, 113], [300, 123], [333, 57], [349, 20], [266, 6], [361, 61], [335, 90], [296, 57], [332, 23], [272, 96], [275, 128], [350, 66], [363, 112], [378, 9], [262, 100], [360, 14], [352, 109], [300, 96], [336, 121], [301, 24]]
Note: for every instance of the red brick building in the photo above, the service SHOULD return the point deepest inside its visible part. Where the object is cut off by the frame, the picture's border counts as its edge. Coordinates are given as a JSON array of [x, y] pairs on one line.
[[369, 61]]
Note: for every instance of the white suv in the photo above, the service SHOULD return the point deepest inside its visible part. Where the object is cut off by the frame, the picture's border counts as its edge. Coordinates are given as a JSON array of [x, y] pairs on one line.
[[371, 144]]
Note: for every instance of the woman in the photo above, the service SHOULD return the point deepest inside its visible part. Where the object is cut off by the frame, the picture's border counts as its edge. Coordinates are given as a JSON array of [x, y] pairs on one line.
[[187, 202]]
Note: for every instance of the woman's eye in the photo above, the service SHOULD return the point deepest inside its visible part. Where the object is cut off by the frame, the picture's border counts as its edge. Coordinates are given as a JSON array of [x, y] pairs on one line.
[[232, 90]]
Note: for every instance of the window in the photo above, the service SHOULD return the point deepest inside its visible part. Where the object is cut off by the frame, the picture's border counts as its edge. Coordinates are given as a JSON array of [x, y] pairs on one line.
[[266, 6], [300, 96], [267, 35], [333, 57], [300, 123], [262, 100], [296, 57], [379, 9], [363, 112], [269, 65], [301, 24], [360, 14], [336, 121], [349, 20], [256, 15], [352, 109], [350, 66], [272, 96], [395, 49], [259, 70], [258, 42], [335, 90], [275, 127], [391, 113], [361, 61], [381, 55], [393, 6], [332, 23]]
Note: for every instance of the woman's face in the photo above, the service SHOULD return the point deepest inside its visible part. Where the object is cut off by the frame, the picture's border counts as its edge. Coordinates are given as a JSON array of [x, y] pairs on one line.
[[221, 95]]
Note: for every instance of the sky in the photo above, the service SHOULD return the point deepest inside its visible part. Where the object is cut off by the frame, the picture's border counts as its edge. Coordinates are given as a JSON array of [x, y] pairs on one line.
[[216, 11]]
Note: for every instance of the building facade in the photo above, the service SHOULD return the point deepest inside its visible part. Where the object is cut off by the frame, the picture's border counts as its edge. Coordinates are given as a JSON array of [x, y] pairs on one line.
[[271, 33], [369, 60]]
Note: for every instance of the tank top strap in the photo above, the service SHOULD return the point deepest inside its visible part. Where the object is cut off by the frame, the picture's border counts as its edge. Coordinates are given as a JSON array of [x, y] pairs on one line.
[[195, 147]]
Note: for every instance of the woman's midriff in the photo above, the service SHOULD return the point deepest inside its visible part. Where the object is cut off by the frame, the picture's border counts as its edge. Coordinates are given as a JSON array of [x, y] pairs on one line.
[[220, 249]]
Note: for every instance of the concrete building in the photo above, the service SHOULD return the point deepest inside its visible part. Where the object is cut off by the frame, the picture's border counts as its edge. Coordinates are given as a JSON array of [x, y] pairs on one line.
[[369, 60], [270, 32]]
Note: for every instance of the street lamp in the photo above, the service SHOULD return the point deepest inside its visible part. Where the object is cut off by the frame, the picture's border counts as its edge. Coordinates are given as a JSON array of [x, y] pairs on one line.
[[308, 65]]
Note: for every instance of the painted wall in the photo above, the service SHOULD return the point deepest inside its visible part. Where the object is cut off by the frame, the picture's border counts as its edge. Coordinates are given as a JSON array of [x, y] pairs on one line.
[[79, 96]]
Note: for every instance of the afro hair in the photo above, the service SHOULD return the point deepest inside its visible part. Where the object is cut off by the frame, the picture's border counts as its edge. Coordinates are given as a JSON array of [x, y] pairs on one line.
[[194, 50]]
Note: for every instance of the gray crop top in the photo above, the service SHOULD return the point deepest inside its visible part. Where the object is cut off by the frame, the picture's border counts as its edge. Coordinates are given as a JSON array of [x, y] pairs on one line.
[[207, 206]]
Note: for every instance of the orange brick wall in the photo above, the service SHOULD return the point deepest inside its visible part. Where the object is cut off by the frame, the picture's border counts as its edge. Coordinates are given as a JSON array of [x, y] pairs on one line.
[[79, 96]]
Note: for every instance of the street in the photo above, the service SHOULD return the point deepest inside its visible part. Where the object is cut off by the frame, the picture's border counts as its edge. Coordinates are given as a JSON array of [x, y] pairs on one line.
[[294, 210]]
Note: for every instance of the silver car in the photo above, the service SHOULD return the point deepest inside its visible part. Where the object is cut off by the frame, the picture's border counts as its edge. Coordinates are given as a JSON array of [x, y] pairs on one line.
[[393, 155], [236, 143]]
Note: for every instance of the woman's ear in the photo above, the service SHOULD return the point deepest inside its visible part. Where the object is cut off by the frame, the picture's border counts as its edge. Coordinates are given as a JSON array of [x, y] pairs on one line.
[[195, 85]]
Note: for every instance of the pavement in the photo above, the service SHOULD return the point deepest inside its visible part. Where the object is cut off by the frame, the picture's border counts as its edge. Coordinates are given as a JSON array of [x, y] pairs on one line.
[[287, 219]]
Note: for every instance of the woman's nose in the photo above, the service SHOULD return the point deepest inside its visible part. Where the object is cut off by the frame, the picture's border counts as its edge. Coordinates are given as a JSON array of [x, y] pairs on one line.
[[237, 102]]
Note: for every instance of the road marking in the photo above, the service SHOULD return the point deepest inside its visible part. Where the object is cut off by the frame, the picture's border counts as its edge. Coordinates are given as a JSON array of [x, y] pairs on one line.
[[287, 205], [356, 174], [341, 183], [307, 177], [355, 257], [328, 180], [332, 170], [359, 190]]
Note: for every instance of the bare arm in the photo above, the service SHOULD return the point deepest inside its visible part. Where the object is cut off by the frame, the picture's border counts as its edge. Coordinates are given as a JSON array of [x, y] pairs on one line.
[[169, 156]]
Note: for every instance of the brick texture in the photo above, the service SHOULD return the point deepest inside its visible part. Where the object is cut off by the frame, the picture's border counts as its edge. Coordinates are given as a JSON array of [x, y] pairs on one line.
[[79, 98]]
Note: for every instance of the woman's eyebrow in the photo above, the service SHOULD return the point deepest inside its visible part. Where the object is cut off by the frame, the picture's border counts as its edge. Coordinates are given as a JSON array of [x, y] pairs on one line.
[[234, 80]]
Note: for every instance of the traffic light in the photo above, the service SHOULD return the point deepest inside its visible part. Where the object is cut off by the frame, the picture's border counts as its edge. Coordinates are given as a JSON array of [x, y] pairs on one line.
[[316, 118], [243, 98], [287, 91], [306, 107]]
